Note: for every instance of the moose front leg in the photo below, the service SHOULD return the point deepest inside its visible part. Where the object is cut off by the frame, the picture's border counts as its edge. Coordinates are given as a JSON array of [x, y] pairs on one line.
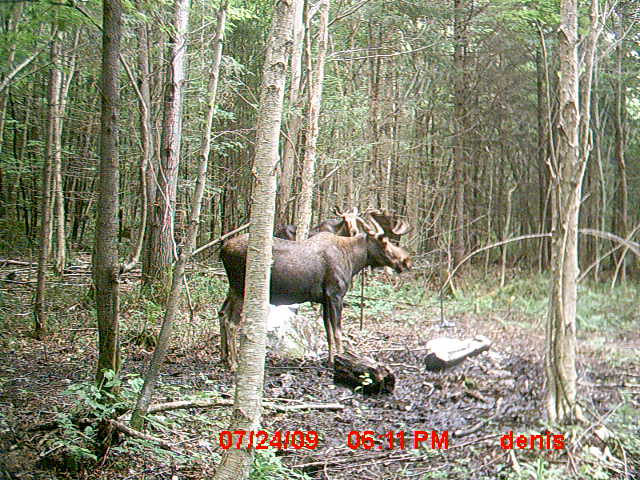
[[333, 324], [328, 327]]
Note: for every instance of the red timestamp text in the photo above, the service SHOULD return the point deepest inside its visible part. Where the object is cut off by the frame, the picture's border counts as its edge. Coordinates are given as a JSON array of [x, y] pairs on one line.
[[398, 440], [262, 440]]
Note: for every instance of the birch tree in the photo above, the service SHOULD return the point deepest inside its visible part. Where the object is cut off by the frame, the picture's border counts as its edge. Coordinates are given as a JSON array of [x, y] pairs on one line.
[[55, 82], [236, 463], [296, 99]]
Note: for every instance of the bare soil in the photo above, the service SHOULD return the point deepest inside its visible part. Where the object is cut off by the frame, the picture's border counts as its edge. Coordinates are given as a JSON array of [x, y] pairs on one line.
[[475, 404]]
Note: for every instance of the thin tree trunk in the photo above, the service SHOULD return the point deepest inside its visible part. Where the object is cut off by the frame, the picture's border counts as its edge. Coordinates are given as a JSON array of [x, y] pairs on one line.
[[147, 170], [151, 378], [371, 190], [236, 463], [58, 185], [162, 245], [459, 120], [505, 235], [315, 102], [55, 81], [622, 192], [106, 275]]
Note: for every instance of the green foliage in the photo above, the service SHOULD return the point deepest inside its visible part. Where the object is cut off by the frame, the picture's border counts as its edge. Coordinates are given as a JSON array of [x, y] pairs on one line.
[[79, 442], [603, 308], [207, 289], [526, 14], [267, 466], [538, 469], [144, 315]]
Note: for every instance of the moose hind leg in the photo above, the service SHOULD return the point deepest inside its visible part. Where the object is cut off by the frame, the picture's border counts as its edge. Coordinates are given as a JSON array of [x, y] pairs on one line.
[[229, 316], [335, 316]]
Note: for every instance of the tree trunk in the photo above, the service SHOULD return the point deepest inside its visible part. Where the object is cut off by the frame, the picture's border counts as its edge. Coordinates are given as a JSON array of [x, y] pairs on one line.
[[296, 99], [162, 244], [106, 275], [147, 170], [568, 172], [55, 82], [236, 463], [11, 26], [144, 400], [371, 182], [315, 102]]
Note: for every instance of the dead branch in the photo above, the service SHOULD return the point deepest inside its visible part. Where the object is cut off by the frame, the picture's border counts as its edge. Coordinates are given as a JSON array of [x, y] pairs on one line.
[[487, 247], [205, 403], [137, 434], [219, 240], [7, 261]]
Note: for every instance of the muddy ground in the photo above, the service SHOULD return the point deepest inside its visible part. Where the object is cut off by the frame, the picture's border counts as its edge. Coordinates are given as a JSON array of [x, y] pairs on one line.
[[475, 403]]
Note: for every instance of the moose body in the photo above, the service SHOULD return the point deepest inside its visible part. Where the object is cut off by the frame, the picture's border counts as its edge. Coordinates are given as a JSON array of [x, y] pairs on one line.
[[319, 269]]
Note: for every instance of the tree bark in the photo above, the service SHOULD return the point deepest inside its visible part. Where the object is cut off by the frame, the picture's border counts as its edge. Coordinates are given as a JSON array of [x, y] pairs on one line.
[[147, 169], [105, 259], [622, 192], [58, 184], [236, 463], [162, 244], [296, 100], [567, 174], [315, 102], [55, 82], [459, 114]]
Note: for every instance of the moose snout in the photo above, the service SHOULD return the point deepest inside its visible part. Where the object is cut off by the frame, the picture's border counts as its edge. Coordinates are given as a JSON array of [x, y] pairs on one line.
[[403, 265]]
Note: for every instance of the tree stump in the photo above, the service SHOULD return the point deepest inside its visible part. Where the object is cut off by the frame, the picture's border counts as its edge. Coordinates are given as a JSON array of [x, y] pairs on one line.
[[363, 374], [447, 352]]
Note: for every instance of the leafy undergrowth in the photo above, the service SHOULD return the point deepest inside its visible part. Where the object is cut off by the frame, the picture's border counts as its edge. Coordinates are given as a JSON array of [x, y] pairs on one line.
[[47, 396]]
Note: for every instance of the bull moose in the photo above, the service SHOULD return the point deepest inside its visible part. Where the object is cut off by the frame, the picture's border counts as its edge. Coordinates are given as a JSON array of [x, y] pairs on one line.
[[319, 269]]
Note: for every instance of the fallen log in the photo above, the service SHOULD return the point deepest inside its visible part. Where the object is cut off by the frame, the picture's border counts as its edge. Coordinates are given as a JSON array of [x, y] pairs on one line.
[[447, 352], [363, 374]]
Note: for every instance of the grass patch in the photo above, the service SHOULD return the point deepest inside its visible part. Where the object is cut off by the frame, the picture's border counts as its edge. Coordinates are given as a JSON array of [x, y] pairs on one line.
[[382, 297], [599, 308]]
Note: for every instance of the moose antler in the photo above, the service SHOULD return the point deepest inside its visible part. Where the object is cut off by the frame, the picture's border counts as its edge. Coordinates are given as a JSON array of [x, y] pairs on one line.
[[392, 226], [401, 227], [373, 228]]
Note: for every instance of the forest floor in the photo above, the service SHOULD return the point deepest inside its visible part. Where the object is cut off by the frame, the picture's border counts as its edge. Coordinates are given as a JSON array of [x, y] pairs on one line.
[[473, 405]]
